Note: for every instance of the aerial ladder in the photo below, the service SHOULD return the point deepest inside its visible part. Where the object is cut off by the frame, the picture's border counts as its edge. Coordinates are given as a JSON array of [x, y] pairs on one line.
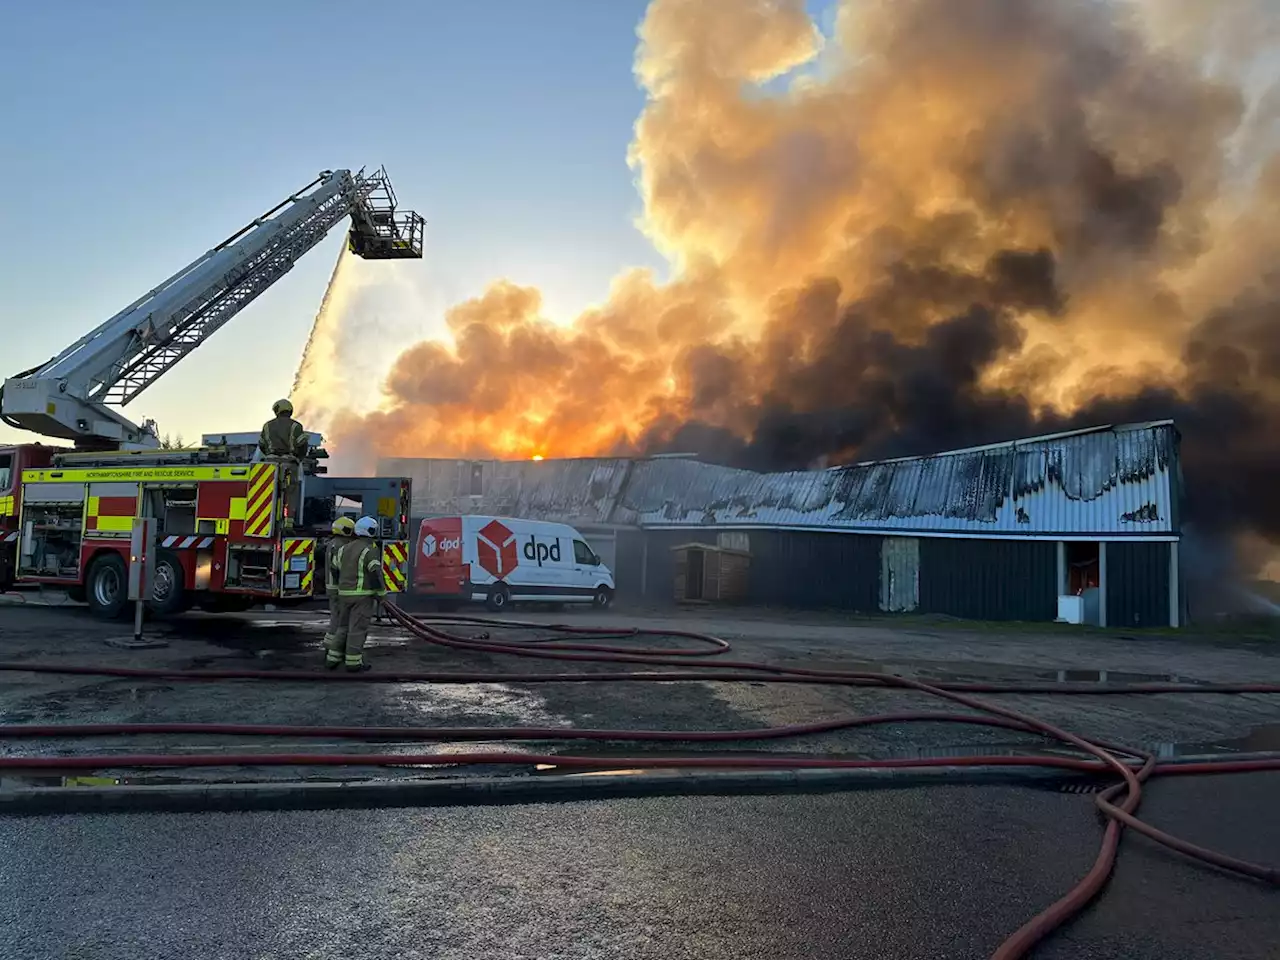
[[71, 397], [232, 528]]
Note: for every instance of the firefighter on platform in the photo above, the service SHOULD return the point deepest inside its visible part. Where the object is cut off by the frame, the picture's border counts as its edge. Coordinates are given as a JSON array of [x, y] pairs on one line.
[[344, 529], [360, 588], [283, 436]]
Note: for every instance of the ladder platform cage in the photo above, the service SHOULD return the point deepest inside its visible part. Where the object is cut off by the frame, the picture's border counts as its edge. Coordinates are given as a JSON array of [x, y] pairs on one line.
[[381, 232]]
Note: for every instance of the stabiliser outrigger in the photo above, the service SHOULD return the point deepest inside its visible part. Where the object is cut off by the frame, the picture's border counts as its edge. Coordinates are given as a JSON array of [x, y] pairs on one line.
[[233, 528]]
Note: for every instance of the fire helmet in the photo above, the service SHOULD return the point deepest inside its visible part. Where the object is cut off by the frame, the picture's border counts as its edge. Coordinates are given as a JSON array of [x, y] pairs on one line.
[[282, 406], [344, 527], [366, 527]]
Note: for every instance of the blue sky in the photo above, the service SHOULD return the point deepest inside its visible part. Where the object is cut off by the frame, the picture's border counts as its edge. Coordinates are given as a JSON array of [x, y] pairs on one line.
[[139, 133]]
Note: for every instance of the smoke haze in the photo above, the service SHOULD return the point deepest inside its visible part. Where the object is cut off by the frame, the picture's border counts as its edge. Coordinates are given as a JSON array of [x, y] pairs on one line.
[[942, 224]]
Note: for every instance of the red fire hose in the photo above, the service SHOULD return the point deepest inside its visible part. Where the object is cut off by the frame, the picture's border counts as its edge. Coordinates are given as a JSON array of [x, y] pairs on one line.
[[1133, 767]]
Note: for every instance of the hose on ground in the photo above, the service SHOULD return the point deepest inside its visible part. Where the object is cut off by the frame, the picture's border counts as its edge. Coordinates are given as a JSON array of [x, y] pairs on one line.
[[580, 644]]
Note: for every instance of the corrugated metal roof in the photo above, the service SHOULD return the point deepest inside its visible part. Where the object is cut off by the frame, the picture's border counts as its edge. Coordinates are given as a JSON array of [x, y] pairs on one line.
[[1121, 480], [580, 492]]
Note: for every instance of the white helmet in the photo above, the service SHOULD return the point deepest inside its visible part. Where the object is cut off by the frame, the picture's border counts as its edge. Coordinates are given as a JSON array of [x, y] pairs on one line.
[[366, 527]]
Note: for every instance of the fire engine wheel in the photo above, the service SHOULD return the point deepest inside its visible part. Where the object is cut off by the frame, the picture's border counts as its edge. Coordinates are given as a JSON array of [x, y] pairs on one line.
[[603, 597], [499, 598], [106, 587], [168, 591]]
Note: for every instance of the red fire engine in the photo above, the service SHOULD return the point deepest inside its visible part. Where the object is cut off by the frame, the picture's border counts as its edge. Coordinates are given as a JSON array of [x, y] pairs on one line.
[[231, 531], [234, 528]]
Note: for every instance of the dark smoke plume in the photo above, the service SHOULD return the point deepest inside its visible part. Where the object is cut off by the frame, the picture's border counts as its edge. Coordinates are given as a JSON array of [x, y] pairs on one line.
[[959, 222]]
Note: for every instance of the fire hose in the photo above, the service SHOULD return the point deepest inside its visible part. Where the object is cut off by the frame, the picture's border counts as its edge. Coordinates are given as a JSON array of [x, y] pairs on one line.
[[1117, 803]]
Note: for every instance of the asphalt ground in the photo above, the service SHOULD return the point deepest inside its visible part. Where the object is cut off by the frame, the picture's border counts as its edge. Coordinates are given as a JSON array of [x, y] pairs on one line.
[[935, 873], [928, 872], [1167, 724]]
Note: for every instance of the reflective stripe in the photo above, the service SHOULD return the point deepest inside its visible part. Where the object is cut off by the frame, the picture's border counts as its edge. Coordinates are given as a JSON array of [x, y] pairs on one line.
[[295, 549], [395, 555], [362, 565], [332, 566], [183, 543], [260, 501]]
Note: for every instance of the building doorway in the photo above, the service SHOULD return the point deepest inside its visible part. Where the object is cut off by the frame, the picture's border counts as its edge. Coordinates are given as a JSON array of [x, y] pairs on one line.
[[1084, 570]]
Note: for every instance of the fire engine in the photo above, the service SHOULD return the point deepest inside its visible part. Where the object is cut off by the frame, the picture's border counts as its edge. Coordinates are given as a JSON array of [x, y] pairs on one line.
[[234, 527]]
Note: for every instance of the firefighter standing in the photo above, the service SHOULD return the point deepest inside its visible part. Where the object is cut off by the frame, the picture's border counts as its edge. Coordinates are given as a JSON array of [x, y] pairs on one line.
[[344, 528], [360, 587], [283, 436]]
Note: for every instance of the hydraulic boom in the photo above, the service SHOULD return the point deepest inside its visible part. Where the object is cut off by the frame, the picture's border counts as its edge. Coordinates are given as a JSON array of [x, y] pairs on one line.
[[68, 397]]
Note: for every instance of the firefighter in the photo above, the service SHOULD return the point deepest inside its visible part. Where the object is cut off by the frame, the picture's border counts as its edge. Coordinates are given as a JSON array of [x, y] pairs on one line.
[[283, 436], [344, 528], [360, 588]]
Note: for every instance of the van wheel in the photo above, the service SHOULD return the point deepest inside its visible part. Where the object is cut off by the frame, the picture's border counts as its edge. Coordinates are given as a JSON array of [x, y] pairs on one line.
[[603, 597], [106, 587], [168, 592], [499, 598]]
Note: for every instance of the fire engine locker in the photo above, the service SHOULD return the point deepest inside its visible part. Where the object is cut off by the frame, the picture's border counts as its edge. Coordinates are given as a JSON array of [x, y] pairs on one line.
[[52, 529]]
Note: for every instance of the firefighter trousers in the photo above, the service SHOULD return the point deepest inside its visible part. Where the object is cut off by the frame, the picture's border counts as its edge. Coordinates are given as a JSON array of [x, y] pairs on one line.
[[332, 632], [352, 629]]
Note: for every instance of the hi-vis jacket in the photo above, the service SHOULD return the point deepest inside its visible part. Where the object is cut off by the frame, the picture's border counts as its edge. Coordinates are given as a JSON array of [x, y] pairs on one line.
[[282, 436], [332, 558], [360, 569]]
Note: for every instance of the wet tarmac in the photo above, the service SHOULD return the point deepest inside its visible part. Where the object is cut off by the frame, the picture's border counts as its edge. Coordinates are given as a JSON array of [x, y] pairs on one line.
[[1168, 726], [934, 874]]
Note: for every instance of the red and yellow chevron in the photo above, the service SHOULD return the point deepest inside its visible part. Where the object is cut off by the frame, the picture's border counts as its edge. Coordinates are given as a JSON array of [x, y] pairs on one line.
[[259, 511], [299, 557], [395, 572]]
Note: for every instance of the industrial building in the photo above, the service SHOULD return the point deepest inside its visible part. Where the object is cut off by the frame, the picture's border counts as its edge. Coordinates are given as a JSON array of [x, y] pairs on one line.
[[1083, 526]]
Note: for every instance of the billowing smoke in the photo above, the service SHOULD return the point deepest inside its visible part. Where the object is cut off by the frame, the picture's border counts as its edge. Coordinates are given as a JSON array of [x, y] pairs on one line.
[[945, 223]]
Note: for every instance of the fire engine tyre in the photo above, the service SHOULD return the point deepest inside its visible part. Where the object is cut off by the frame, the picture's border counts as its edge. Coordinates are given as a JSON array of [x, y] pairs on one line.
[[107, 587], [499, 598], [168, 592], [603, 597]]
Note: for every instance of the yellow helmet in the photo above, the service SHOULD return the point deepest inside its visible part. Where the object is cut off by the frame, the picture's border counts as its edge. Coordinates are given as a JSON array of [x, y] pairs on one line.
[[344, 527], [282, 406]]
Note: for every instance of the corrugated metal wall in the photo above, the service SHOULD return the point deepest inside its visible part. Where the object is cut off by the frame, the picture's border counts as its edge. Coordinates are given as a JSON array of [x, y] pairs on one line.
[[659, 562], [794, 569], [788, 569], [1137, 584], [989, 579], [628, 574]]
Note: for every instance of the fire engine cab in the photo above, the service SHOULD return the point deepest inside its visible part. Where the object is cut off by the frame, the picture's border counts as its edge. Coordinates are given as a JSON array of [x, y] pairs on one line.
[[234, 527]]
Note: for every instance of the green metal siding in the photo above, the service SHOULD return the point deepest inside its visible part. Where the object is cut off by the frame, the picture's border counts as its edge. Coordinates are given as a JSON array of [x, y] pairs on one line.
[[1137, 584], [989, 579], [825, 570]]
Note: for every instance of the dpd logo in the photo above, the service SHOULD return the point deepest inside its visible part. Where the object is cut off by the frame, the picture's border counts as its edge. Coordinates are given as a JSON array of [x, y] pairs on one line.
[[541, 552], [496, 549], [431, 545]]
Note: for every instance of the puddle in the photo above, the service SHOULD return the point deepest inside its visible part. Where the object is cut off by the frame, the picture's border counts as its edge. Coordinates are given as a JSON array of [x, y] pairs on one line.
[[1260, 739], [500, 704], [1112, 676]]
